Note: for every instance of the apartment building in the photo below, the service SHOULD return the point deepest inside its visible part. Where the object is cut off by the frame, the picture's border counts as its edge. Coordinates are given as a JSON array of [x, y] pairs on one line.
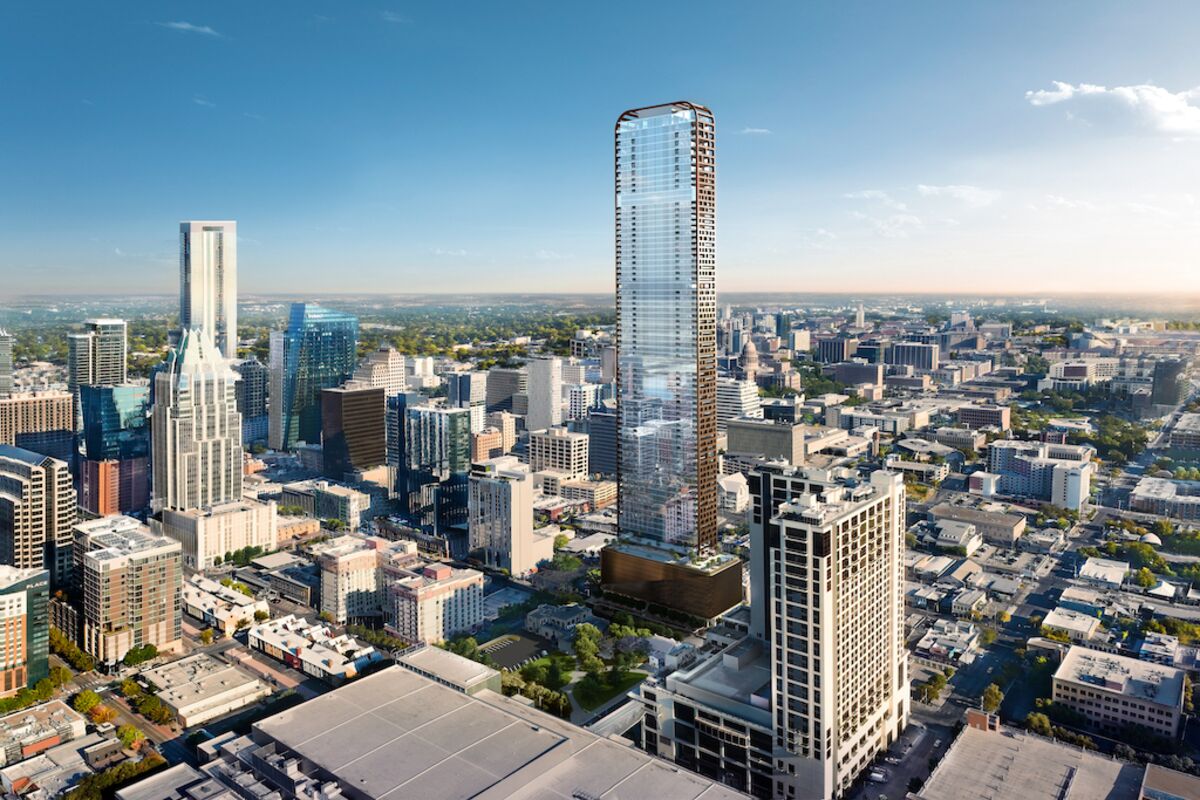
[[208, 535], [1057, 473], [1116, 692], [24, 628], [129, 583], [354, 574], [736, 399], [559, 449], [984, 415], [432, 602], [37, 511], [500, 512], [39, 421]]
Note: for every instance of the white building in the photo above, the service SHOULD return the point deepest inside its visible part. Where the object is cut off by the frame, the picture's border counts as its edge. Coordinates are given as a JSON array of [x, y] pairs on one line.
[[1115, 692], [199, 688], [383, 369], [733, 493], [1058, 473], [208, 288], [828, 577], [222, 608], [1104, 572], [196, 428], [736, 399], [1077, 626], [545, 394], [208, 534], [312, 649], [354, 574], [581, 398]]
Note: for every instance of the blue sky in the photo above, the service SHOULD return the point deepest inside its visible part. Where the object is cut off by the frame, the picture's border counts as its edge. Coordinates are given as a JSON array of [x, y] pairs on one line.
[[468, 146]]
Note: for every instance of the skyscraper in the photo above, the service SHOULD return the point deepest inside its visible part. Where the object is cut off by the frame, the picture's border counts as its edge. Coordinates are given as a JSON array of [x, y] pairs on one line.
[[37, 511], [6, 364], [545, 394], [115, 453], [208, 281], [196, 428], [24, 628], [317, 351], [354, 429], [437, 458], [96, 357], [384, 369], [666, 358], [252, 399]]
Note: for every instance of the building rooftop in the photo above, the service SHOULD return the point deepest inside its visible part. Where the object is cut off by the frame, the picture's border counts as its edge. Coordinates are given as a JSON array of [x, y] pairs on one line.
[[462, 673], [1013, 765], [1188, 422], [399, 734], [196, 679], [1068, 619], [1105, 570], [180, 782], [1128, 676], [20, 454]]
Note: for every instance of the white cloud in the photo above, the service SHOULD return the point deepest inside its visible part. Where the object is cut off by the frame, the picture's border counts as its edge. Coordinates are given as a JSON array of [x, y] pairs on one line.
[[972, 196], [878, 195], [755, 131], [547, 255], [1067, 202], [893, 226], [118, 251], [1144, 105], [393, 17], [188, 27], [457, 253], [203, 101]]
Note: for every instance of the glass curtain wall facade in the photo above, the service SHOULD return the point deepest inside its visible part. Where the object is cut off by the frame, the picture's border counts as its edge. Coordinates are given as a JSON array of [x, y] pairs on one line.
[[319, 350], [666, 325]]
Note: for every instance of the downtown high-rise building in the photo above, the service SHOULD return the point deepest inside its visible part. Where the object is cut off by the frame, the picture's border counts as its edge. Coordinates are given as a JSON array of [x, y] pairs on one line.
[[666, 362], [319, 350], [96, 357], [354, 429], [252, 399], [196, 428], [208, 281], [6, 364], [24, 628], [385, 369], [114, 453], [545, 394], [37, 511]]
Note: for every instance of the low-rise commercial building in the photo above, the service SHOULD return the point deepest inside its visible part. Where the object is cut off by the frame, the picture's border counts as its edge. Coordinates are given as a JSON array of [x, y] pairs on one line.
[[200, 688], [1117, 693], [1186, 433], [222, 608], [995, 526], [1167, 498], [961, 537], [312, 649], [1104, 572], [1075, 625], [30, 731], [984, 415], [558, 623]]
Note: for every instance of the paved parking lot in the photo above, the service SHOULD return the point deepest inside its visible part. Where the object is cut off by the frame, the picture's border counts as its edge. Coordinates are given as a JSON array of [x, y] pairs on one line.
[[513, 650]]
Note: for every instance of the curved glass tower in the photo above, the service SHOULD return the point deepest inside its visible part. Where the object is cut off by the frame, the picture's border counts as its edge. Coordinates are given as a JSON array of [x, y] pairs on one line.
[[666, 326]]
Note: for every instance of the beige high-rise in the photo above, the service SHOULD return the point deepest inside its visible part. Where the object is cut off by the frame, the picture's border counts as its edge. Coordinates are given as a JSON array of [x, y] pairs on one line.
[[37, 510]]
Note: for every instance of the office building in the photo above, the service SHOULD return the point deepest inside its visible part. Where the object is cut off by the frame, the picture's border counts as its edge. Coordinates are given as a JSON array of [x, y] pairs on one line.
[[24, 628], [666, 360], [252, 388], [208, 535], [502, 384], [545, 394], [43, 422], [918, 355], [26, 733], [828, 574], [385, 369], [318, 351], [200, 688], [835, 349], [1171, 384], [1059, 474], [602, 440], [208, 288], [196, 428], [759, 438], [581, 399], [984, 415], [559, 449], [437, 459], [97, 356], [506, 423], [431, 602], [488, 443], [500, 511], [1168, 498], [6, 364], [37, 513], [354, 434], [995, 526], [1116, 693], [736, 399], [130, 583], [114, 454], [466, 389]]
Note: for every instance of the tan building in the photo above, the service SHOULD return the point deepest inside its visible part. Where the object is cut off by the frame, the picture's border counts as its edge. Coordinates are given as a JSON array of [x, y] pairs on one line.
[[984, 415], [38, 412], [1115, 692], [209, 534], [354, 574], [130, 581], [37, 510], [488, 443], [506, 423], [766, 439], [559, 449], [597, 494], [433, 602]]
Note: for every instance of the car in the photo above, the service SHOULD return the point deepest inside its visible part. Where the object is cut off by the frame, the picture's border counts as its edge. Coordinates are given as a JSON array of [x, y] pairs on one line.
[[892, 760], [877, 776]]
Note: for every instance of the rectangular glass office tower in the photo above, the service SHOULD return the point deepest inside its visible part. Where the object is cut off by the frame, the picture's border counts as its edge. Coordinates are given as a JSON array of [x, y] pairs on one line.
[[666, 323]]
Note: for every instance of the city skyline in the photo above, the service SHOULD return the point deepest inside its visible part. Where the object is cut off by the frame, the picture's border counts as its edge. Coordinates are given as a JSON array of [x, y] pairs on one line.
[[943, 148]]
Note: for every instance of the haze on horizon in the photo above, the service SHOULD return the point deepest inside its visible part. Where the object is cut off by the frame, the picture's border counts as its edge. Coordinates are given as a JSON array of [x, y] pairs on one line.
[[1021, 148]]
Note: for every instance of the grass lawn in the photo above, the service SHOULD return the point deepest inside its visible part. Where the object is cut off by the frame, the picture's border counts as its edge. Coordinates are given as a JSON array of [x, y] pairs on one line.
[[565, 662], [591, 695]]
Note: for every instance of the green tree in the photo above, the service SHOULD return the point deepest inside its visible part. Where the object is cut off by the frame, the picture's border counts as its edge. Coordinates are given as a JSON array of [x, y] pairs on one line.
[[206, 636], [261, 616], [1144, 578], [130, 736], [561, 541], [85, 701], [992, 697], [1039, 723]]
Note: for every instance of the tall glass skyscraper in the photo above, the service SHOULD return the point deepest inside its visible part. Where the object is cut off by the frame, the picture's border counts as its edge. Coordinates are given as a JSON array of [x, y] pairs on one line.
[[666, 365], [666, 325], [319, 350], [208, 281], [115, 448]]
